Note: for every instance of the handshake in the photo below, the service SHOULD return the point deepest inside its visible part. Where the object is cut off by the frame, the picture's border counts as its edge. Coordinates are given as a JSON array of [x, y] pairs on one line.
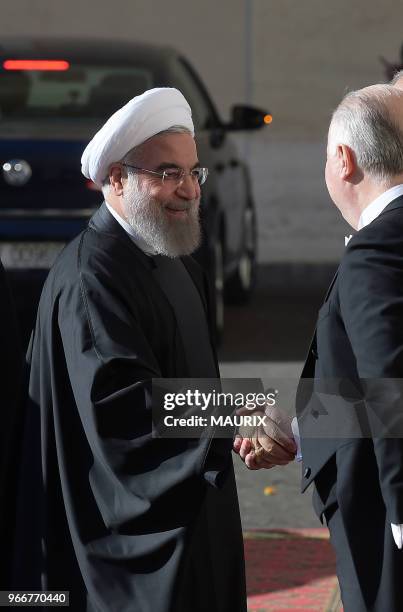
[[266, 445]]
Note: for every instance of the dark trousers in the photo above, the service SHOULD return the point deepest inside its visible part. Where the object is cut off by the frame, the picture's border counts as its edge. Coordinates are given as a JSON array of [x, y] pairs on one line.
[[369, 568]]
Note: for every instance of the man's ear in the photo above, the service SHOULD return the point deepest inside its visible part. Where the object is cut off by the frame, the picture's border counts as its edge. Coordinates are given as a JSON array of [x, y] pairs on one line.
[[347, 162], [115, 179]]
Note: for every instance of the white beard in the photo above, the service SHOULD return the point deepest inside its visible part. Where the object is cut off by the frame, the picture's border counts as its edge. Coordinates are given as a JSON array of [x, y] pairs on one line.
[[165, 235]]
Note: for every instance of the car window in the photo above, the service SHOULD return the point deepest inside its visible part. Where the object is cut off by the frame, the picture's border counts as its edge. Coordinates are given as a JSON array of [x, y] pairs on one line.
[[81, 91], [184, 80]]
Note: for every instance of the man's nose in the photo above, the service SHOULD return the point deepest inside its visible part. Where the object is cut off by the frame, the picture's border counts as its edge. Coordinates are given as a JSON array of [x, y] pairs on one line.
[[188, 188]]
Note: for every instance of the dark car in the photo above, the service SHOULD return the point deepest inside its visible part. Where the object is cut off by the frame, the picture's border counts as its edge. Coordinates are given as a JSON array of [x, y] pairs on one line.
[[54, 95]]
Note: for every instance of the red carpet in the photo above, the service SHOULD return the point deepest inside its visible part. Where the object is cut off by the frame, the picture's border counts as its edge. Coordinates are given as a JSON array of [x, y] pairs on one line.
[[290, 569]]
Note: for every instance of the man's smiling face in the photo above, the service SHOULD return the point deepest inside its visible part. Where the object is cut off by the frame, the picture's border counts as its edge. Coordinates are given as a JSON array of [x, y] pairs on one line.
[[164, 213]]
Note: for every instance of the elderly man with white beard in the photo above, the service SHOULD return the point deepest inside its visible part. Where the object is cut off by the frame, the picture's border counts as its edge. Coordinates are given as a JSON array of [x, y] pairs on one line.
[[161, 207], [121, 519]]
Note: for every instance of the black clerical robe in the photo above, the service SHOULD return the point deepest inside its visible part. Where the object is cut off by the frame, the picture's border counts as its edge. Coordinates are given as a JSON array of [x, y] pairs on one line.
[[124, 521]]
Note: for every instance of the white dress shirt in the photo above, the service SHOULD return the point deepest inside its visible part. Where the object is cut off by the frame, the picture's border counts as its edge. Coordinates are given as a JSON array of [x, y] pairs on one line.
[[371, 212]]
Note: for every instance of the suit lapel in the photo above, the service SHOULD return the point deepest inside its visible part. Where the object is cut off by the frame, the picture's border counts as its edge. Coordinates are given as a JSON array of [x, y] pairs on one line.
[[329, 290], [309, 365]]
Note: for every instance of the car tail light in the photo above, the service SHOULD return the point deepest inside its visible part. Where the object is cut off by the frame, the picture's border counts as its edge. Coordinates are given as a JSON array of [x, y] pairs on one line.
[[18, 64]]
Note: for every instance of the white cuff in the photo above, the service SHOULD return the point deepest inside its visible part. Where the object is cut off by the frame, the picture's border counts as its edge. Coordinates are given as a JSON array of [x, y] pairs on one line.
[[295, 433], [397, 531]]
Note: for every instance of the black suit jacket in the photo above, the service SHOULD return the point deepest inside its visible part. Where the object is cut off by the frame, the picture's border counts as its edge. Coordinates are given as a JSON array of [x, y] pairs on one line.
[[123, 520], [350, 412]]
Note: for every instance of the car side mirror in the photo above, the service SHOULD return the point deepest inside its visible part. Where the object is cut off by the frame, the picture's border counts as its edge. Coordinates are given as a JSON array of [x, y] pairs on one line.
[[217, 137], [248, 118]]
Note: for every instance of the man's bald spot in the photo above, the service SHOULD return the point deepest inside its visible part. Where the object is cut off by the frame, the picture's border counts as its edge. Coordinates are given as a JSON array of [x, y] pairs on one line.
[[387, 98], [383, 93], [391, 96]]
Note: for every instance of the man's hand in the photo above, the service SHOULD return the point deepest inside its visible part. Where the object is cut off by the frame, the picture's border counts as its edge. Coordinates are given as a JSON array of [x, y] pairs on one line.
[[269, 444]]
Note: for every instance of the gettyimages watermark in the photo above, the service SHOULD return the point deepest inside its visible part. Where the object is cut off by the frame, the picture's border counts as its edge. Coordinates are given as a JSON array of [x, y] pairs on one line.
[[202, 407], [326, 408]]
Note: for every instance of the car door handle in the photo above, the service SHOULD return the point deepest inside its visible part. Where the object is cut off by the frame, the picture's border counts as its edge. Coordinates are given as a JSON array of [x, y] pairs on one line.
[[219, 167]]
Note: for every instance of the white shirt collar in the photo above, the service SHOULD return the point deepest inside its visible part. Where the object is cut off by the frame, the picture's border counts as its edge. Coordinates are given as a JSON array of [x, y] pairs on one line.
[[371, 212], [138, 240]]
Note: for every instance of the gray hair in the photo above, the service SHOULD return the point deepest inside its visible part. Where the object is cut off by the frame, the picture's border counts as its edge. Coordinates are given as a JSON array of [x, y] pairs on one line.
[[135, 153], [363, 122], [396, 77]]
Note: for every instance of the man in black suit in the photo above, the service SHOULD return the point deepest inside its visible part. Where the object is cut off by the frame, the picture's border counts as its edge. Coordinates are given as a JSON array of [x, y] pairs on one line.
[[350, 398], [125, 521]]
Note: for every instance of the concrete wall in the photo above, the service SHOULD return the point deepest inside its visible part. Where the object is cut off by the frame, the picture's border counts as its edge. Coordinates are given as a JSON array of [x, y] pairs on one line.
[[294, 57], [307, 54]]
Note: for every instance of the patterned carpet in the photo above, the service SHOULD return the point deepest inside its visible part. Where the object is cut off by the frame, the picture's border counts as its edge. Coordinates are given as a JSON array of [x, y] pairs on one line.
[[291, 569]]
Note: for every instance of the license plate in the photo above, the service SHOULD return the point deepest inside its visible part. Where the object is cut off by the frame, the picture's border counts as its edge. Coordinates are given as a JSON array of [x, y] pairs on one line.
[[29, 255]]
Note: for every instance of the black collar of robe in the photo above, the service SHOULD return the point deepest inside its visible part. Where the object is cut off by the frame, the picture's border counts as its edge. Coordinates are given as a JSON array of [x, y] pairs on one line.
[[102, 221]]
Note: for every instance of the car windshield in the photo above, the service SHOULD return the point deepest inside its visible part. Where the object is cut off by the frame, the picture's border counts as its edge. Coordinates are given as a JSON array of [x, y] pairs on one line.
[[75, 91]]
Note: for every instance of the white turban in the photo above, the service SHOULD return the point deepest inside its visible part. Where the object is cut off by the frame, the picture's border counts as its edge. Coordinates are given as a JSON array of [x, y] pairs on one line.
[[142, 117]]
